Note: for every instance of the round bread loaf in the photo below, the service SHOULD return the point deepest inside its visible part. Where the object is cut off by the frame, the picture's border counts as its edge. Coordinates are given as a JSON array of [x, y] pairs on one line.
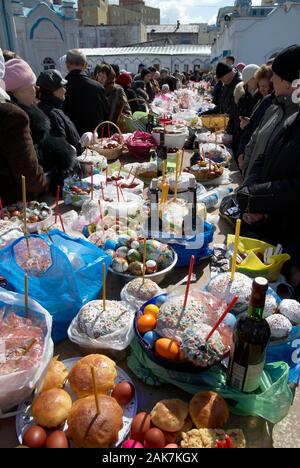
[[80, 377], [169, 415], [87, 429]]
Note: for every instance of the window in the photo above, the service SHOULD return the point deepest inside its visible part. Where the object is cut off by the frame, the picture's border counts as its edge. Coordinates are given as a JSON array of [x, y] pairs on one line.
[[186, 67], [176, 66], [48, 64]]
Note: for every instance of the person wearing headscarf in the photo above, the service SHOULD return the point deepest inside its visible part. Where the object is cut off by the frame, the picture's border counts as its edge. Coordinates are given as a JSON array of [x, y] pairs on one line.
[[55, 154]]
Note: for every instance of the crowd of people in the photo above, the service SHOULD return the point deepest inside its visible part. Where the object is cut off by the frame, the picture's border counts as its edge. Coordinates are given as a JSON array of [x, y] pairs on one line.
[[44, 119]]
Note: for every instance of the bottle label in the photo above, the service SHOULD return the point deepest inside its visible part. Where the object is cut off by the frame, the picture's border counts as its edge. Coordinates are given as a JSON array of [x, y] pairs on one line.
[[247, 378]]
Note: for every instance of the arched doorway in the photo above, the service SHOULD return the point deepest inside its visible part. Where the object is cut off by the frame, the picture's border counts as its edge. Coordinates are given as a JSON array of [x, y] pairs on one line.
[[48, 64]]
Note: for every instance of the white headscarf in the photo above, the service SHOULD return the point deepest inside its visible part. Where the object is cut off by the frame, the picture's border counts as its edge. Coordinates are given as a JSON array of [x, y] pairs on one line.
[[3, 95]]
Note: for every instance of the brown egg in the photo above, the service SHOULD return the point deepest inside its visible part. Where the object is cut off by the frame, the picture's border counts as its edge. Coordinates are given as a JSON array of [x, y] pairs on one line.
[[154, 438], [123, 393], [57, 440], [141, 423], [16, 213], [34, 219], [35, 437]]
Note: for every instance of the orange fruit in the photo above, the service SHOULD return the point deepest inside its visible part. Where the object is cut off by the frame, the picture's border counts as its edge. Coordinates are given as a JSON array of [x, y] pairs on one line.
[[146, 323], [151, 309]]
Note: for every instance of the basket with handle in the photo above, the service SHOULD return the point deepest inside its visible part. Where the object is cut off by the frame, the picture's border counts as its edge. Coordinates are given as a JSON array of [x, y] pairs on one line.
[[215, 122], [128, 123], [109, 153]]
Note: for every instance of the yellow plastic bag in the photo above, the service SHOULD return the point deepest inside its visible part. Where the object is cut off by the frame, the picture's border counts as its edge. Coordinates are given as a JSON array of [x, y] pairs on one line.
[[215, 122], [252, 266]]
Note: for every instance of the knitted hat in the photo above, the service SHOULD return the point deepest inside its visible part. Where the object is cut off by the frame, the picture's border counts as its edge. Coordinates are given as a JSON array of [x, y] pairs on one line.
[[50, 80], [240, 66], [145, 72], [222, 70], [249, 72], [124, 79], [18, 75], [287, 63]]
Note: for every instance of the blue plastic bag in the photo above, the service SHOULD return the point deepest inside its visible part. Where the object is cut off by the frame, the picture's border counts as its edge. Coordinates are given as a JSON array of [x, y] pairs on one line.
[[289, 352], [184, 253], [68, 276]]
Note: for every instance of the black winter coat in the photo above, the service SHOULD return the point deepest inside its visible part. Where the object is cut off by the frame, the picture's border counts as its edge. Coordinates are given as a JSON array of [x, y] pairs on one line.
[[225, 103], [85, 103], [273, 186], [55, 155], [255, 120], [244, 105], [61, 125]]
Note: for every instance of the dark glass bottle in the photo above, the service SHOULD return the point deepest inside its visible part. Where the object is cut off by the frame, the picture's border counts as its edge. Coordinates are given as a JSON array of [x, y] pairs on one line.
[[150, 124], [250, 339], [196, 155], [162, 153]]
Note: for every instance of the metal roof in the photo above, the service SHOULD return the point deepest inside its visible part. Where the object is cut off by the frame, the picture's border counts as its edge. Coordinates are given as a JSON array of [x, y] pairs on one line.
[[172, 28], [161, 50]]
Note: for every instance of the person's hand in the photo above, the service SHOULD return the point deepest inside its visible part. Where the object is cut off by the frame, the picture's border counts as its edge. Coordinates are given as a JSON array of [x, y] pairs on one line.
[[251, 218], [244, 121], [241, 161]]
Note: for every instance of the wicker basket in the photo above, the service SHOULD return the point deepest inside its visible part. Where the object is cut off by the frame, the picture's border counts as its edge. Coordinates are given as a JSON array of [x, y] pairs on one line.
[[127, 123], [215, 122], [112, 153]]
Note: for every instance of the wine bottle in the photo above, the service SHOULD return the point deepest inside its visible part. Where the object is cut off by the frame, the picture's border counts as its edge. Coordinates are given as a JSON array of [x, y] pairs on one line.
[[250, 339], [162, 153], [196, 155]]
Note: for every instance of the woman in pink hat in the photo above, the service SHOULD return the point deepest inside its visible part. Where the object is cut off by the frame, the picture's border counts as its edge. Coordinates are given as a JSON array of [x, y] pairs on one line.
[[17, 153], [55, 154]]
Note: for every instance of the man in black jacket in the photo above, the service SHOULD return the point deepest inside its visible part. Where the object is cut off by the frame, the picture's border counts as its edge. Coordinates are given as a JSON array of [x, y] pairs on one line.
[[270, 195], [85, 102], [225, 103]]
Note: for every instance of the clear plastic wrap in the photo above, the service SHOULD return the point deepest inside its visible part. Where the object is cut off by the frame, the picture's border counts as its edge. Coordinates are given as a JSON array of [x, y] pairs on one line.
[[26, 360], [136, 296], [95, 330]]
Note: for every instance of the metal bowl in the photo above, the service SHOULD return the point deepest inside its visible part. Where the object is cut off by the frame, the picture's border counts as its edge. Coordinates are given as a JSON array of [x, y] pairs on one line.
[[157, 277]]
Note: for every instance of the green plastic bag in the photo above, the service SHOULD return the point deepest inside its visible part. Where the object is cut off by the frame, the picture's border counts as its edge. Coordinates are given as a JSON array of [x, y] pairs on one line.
[[271, 401]]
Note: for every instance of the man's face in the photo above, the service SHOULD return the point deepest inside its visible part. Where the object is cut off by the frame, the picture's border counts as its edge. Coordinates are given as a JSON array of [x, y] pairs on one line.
[[164, 75], [227, 79], [281, 87], [229, 61]]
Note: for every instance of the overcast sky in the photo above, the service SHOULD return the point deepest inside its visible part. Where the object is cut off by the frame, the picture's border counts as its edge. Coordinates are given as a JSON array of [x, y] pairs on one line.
[[189, 11]]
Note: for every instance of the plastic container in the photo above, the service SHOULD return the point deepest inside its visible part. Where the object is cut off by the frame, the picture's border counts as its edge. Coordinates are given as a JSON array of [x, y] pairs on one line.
[[213, 198]]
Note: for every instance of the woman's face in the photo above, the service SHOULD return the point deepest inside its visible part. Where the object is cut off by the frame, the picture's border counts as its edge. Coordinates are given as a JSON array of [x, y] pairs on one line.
[[252, 84], [60, 93], [102, 78], [26, 96], [264, 86]]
